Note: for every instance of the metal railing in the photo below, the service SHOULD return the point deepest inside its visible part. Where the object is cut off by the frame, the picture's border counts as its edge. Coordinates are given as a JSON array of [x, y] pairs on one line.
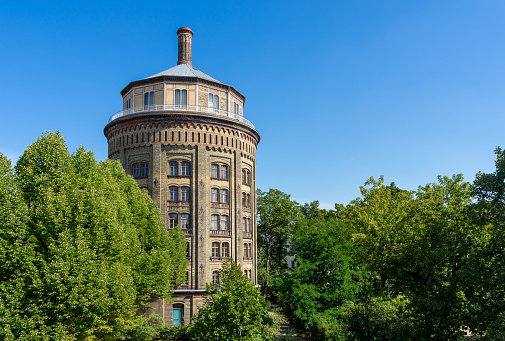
[[191, 108]]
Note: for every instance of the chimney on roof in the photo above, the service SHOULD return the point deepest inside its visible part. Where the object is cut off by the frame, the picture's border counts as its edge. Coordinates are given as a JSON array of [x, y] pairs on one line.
[[185, 35]]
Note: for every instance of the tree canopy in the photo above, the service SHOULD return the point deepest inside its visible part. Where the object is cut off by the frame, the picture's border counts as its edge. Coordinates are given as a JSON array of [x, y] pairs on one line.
[[81, 246], [234, 309]]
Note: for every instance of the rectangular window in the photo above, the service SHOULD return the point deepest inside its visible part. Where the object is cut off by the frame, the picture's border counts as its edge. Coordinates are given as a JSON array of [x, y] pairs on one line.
[[214, 171], [215, 275], [185, 194], [215, 249], [224, 223], [235, 109], [135, 170], [181, 98], [225, 250], [213, 222], [184, 221], [173, 194], [213, 194], [224, 172], [244, 222], [243, 200], [224, 196], [214, 103], [174, 168], [149, 100], [185, 168], [172, 220], [128, 105], [144, 170], [248, 225]]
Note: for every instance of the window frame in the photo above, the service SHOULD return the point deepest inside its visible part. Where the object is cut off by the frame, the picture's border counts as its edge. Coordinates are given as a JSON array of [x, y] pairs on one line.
[[184, 221], [185, 193], [174, 193], [214, 169], [181, 98], [223, 222], [144, 170], [135, 170], [216, 247], [214, 222], [225, 250], [173, 165], [214, 195], [185, 168], [149, 95], [172, 223], [223, 169], [223, 193]]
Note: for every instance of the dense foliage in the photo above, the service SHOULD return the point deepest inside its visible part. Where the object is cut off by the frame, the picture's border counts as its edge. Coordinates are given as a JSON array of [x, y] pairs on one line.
[[234, 310], [277, 215], [396, 264], [81, 246]]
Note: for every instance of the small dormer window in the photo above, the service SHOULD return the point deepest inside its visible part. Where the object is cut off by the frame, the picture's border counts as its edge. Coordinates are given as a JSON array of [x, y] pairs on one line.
[[149, 100], [181, 98], [214, 103]]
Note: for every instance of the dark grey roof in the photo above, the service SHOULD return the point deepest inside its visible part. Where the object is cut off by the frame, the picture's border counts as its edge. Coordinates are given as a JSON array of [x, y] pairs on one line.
[[185, 70]]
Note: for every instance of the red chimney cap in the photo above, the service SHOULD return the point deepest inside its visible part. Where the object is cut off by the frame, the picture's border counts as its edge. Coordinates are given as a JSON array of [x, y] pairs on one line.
[[184, 30]]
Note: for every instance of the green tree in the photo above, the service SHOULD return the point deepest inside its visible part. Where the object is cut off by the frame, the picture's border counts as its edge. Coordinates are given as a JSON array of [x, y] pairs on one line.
[[418, 242], [276, 216], [485, 270], [93, 249], [234, 310], [325, 276]]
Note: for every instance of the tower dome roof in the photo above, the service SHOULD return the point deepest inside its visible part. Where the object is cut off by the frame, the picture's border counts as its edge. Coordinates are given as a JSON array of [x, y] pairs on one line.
[[185, 70]]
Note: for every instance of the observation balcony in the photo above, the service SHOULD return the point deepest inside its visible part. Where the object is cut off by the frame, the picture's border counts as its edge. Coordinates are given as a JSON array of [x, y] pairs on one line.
[[171, 108]]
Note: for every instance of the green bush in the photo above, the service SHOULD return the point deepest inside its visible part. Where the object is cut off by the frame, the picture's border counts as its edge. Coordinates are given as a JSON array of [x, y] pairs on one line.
[[173, 333]]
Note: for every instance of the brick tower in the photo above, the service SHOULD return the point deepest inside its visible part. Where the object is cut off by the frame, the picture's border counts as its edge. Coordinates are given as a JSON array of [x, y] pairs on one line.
[[183, 137]]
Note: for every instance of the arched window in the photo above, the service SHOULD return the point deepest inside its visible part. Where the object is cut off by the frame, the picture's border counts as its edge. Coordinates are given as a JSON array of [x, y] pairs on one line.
[[244, 226], [181, 98], [173, 194]]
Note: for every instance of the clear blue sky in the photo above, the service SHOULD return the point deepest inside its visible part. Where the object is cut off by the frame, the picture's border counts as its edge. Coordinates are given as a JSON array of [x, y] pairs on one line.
[[339, 90]]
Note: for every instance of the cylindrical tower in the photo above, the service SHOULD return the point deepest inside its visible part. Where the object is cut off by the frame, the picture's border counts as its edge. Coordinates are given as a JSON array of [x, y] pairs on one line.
[[183, 136]]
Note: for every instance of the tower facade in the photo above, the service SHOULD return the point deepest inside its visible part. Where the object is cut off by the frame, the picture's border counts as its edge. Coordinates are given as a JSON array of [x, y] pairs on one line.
[[183, 136]]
